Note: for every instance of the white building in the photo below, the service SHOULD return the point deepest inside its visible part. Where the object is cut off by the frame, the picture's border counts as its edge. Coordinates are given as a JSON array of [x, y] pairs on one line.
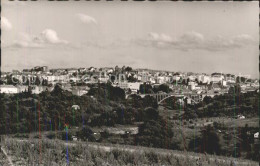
[[80, 90], [123, 85], [103, 79], [133, 86], [217, 78], [37, 89], [176, 77], [205, 79], [192, 85], [152, 80], [192, 77], [231, 79], [224, 83], [160, 80], [256, 135], [9, 89], [75, 107], [22, 88]]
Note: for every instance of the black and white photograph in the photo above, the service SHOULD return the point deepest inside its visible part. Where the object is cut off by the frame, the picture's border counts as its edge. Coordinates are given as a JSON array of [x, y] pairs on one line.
[[129, 83]]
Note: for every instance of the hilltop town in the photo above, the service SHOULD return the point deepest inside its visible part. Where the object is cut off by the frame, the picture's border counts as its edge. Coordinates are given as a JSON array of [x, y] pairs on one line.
[[133, 81]]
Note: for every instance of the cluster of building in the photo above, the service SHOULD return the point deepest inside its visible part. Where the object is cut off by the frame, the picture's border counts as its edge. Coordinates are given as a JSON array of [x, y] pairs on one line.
[[76, 80]]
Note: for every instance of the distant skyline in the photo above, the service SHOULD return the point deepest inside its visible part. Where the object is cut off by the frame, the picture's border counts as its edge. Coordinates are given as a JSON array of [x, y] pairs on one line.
[[200, 37]]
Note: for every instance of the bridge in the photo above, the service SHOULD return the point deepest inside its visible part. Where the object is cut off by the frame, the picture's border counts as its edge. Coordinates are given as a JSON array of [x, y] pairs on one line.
[[160, 97]]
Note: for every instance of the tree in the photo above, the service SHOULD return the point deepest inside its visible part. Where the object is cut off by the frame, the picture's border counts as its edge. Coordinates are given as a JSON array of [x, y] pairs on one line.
[[85, 133], [155, 133], [163, 87], [12, 80], [146, 88], [190, 113], [171, 102], [234, 89], [128, 69], [245, 138], [57, 91], [207, 99], [131, 79], [241, 79], [207, 142], [151, 114], [107, 91], [149, 101]]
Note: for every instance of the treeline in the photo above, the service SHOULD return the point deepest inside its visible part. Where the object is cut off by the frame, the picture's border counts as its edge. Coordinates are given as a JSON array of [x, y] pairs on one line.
[[104, 105], [230, 105], [25, 112], [146, 88]]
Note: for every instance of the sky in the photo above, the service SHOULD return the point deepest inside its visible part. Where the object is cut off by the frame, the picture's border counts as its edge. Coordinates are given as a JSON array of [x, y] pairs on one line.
[[175, 36]]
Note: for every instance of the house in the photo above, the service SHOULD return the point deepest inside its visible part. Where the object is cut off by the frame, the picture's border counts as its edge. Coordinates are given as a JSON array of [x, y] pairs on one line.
[[176, 77], [215, 87], [74, 79], [241, 117], [103, 79], [224, 83], [50, 78], [71, 71], [89, 79], [144, 78], [97, 136], [26, 70], [75, 107], [66, 87], [123, 85], [74, 138], [39, 89], [192, 85], [152, 80], [40, 69], [133, 86], [160, 80], [230, 78], [256, 135], [92, 69], [9, 89], [22, 88], [243, 86], [62, 78], [107, 70], [205, 79], [81, 70], [192, 77], [80, 90], [217, 77]]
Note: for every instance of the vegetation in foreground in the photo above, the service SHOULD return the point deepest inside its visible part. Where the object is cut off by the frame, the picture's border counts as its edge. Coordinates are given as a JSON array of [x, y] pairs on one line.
[[55, 152]]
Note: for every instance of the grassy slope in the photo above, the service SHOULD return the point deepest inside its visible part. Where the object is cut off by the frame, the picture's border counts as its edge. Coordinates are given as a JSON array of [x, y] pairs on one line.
[[54, 152]]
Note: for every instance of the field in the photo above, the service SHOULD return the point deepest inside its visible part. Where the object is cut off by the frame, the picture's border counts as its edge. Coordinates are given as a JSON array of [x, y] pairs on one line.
[[56, 152]]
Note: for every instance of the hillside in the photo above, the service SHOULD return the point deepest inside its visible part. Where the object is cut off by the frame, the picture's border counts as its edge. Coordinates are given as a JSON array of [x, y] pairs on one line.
[[56, 152]]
